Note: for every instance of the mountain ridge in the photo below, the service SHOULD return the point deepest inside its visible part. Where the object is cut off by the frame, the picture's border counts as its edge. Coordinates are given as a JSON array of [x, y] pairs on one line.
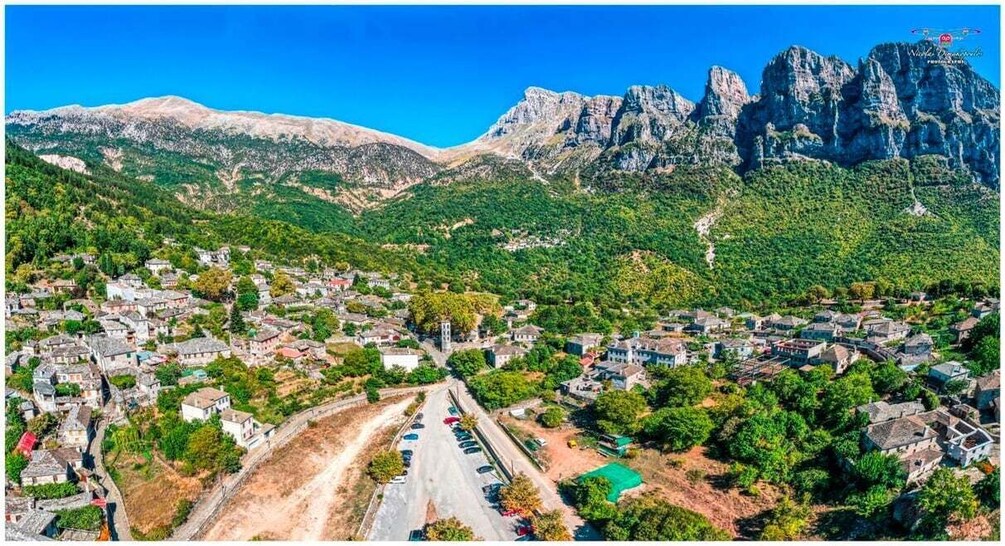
[[900, 101]]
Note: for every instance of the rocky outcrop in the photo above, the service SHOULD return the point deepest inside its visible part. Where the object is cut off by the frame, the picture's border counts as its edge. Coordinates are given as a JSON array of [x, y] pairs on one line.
[[797, 111], [716, 115], [903, 100]]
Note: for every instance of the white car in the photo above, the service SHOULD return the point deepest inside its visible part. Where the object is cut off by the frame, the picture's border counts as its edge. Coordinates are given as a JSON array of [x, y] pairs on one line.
[[398, 480], [541, 442]]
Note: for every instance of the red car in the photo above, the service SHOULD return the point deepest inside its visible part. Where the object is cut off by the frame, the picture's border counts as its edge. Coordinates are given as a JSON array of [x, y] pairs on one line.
[[451, 420], [509, 513], [524, 530]]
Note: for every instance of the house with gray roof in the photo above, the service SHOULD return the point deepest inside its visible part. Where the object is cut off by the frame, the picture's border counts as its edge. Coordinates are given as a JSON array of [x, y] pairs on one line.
[[579, 344], [881, 411], [200, 350], [76, 429], [110, 353], [500, 355], [900, 436], [821, 331], [988, 389], [34, 526], [45, 467], [918, 345], [943, 373]]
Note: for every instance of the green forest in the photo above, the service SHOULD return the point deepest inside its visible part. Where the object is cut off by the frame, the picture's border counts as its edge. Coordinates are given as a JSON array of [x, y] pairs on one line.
[[626, 240]]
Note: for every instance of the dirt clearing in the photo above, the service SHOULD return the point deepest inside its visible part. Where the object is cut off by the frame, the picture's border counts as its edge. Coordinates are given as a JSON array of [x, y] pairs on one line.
[[686, 479], [294, 494], [152, 491]]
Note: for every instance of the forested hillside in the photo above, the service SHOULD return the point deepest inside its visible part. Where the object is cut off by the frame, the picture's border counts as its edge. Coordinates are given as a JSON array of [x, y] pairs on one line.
[[776, 233], [50, 211], [627, 240]]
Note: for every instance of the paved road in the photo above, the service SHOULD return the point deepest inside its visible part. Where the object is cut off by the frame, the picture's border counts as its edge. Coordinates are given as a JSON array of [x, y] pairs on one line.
[[117, 518], [442, 474], [515, 460]]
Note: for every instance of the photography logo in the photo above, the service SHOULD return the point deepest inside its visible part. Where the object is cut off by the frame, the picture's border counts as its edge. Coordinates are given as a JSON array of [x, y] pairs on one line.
[[946, 45]]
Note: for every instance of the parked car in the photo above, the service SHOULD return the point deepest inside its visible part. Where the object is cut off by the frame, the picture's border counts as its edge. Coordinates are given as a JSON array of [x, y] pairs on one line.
[[463, 437], [418, 416], [469, 443], [451, 420], [410, 437], [508, 513], [407, 453], [407, 463], [416, 536], [472, 450], [491, 488], [452, 410], [485, 469], [524, 530], [398, 480], [541, 442], [417, 426]]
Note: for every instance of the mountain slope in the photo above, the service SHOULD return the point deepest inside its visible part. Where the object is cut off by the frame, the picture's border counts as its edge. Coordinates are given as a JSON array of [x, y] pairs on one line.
[[901, 101], [202, 154], [772, 234], [50, 211], [776, 232]]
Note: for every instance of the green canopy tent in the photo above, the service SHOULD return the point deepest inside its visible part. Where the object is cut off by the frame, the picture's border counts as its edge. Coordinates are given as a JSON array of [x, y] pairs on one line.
[[621, 477]]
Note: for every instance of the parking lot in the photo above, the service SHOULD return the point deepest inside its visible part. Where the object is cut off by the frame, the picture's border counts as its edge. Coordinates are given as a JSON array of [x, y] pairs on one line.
[[442, 480]]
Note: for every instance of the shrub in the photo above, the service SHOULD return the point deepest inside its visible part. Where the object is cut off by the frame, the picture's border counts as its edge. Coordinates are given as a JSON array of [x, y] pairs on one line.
[[386, 465], [123, 381], [552, 417], [695, 475], [450, 529], [51, 490], [88, 518]]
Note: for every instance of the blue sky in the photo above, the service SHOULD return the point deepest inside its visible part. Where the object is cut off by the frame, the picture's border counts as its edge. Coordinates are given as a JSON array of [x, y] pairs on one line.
[[439, 75]]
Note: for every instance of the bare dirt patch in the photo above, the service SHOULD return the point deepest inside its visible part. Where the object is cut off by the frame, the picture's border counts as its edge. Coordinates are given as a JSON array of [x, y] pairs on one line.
[[562, 462], [689, 483], [353, 497], [294, 494], [152, 491]]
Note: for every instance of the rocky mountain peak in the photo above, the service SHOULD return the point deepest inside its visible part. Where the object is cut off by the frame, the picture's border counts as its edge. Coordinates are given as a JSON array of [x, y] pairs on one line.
[[657, 99], [901, 101], [725, 94]]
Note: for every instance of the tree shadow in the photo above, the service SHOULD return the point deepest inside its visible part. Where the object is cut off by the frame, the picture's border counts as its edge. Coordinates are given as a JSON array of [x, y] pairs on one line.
[[750, 527]]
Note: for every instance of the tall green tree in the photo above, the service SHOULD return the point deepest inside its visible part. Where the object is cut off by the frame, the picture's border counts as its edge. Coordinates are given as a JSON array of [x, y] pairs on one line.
[[678, 429], [237, 325], [618, 412], [945, 498]]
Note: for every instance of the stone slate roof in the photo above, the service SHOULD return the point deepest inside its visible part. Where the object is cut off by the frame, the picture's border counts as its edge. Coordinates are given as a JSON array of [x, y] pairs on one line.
[[234, 416], [265, 335], [919, 340], [79, 418], [990, 382], [899, 432], [107, 346], [834, 353], [508, 350], [204, 398], [43, 463], [529, 330], [881, 411], [34, 524], [200, 345]]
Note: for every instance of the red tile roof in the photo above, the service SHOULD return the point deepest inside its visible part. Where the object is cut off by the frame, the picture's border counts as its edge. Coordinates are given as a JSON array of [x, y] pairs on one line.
[[26, 444]]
